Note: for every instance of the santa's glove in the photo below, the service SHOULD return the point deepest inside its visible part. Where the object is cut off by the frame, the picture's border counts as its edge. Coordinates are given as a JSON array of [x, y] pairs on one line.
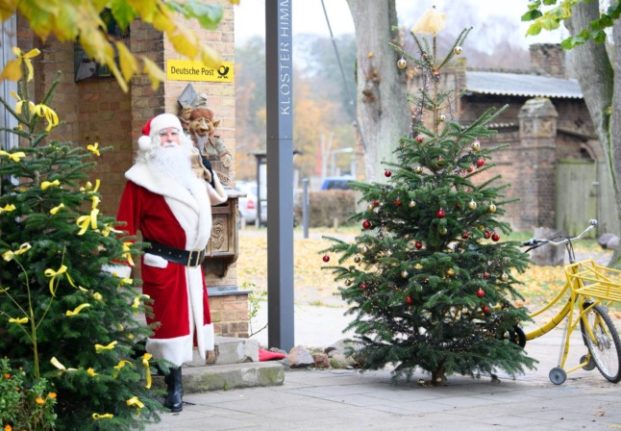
[[208, 171]]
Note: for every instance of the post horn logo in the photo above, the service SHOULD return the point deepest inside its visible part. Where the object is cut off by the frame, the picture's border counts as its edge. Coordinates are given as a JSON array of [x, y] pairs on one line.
[[223, 71]]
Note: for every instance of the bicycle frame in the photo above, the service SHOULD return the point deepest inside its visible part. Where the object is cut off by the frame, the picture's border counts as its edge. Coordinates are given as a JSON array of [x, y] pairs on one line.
[[587, 285]]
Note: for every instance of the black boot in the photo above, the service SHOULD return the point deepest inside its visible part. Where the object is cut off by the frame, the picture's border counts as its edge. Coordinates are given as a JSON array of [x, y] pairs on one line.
[[174, 383]]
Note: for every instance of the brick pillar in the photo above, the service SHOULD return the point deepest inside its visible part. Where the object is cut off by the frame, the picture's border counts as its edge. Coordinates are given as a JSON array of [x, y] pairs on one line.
[[536, 164]]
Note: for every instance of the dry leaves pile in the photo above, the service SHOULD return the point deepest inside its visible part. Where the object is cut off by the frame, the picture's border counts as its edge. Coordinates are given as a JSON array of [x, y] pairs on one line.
[[315, 286]]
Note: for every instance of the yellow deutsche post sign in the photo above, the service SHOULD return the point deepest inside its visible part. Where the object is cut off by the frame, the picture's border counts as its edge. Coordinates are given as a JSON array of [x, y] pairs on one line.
[[187, 70]]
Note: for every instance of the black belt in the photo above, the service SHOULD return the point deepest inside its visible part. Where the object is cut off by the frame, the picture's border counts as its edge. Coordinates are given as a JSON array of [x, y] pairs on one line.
[[183, 257]]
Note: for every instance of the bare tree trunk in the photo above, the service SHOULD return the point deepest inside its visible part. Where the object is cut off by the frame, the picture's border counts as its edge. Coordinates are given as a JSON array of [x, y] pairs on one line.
[[382, 110], [615, 125], [598, 80]]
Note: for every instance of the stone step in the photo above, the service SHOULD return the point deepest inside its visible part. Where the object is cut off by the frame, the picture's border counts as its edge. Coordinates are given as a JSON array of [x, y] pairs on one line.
[[230, 376], [229, 350]]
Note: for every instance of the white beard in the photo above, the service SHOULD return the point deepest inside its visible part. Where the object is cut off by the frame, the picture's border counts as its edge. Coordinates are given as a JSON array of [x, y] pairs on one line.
[[174, 162]]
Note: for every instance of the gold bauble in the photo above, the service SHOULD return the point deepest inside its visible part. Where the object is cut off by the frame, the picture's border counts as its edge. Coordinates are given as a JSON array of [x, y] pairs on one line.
[[418, 266], [442, 118], [450, 272], [357, 259], [402, 63], [492, 208], [364, 249], [412, 204], [347, 282], [443, 230], [504, 277], [476, 146], [472, 205], [404, 274], [458, 50]]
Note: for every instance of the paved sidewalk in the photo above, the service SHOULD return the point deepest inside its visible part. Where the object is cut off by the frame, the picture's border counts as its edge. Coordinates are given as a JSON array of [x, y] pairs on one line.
[[349, 400]]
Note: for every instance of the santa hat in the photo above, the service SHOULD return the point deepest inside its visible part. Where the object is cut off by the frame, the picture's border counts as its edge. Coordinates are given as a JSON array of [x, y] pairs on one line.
[[154, 126]]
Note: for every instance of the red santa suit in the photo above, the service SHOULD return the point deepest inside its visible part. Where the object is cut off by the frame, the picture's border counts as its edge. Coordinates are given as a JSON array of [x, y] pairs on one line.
[[170, 214]]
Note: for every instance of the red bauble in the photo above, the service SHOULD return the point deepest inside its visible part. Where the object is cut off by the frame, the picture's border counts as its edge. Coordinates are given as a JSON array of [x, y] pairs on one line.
[[480, 163], [397, 202], [440, 213], [487, 234], [486, 309], [375, 203], [465, 234], [486, 275], [480, 293], [420, 139], [418, 245], [366, 224], [326, 258], [495, 237], [387, 173], [409, 300], [363, 286]]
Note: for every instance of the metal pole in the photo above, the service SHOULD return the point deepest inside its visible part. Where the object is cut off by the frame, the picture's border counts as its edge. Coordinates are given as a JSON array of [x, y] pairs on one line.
[[305, 182], [279, 103], [257, 221]]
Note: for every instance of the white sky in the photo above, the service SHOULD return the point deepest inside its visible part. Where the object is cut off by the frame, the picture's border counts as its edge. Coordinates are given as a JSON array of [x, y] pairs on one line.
[[308, 17]]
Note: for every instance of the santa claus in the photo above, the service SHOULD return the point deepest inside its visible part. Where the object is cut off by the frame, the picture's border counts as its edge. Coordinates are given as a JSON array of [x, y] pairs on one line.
[[170, 204]]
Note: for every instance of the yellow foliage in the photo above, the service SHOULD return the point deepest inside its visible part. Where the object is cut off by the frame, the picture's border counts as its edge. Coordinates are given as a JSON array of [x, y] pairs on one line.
[[155, 74], [129, 66], [71, 20]]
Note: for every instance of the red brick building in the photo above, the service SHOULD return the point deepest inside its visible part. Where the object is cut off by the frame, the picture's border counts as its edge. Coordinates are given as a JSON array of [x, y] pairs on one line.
[[545, 126], [97, 110]]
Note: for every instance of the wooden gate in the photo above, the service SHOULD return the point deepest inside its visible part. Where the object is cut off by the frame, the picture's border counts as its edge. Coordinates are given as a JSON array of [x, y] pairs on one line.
[[606, 209], [576, 194]]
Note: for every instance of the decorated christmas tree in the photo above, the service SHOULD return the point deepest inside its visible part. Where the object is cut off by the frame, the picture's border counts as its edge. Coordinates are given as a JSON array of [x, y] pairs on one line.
[[67, 325], [430, 280]]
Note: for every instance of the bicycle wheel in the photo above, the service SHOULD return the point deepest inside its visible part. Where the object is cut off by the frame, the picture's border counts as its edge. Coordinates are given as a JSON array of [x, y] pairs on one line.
[[605, 346]]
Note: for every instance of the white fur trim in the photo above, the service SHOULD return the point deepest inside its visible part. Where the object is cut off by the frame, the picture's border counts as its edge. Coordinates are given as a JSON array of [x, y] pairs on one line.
[[164, 121], [176, 350], [144, 143]]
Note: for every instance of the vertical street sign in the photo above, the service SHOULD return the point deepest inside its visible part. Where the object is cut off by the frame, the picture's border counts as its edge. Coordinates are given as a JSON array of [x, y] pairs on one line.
[[279, 86]]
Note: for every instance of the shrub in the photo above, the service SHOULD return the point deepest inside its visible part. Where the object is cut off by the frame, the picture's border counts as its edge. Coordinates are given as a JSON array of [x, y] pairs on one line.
[[326, 206]]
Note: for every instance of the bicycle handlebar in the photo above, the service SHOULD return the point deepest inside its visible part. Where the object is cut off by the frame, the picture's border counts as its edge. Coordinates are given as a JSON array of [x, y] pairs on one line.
[[534, 243]]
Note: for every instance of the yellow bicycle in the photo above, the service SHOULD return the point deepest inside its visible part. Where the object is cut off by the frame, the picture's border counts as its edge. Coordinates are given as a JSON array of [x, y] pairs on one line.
[[588, 289]]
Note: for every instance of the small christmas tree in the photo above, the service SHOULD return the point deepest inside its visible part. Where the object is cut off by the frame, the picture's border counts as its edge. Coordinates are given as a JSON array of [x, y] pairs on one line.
[[431, 282], [62, 319]]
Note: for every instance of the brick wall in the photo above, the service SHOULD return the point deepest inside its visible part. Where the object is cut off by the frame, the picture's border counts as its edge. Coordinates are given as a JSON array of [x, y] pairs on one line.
[[547, 59], [229, 314], [97, 110]]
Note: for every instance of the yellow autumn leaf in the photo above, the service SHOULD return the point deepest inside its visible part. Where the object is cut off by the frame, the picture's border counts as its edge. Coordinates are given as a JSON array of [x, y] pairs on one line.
[[155, 74], [12, 71], [183, 42], [7, 9], [163, 22], [210, 57], [127, 60]]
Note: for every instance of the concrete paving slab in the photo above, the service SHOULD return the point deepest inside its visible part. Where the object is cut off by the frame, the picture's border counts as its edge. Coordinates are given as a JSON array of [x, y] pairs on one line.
[[347, 400]]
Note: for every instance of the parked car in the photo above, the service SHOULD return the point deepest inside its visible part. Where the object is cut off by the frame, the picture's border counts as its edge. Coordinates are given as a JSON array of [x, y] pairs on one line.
[[336, 183], [248, 204]]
